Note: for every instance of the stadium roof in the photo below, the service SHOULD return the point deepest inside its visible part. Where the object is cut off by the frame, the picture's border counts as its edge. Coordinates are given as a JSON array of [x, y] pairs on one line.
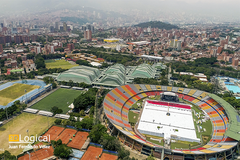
[[112, 76], [143, 71], [233, 130], [79, 74]]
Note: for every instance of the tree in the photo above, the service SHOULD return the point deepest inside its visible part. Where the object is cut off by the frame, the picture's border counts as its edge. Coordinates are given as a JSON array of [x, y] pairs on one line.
[[164, 82], [7, 155], [97, 132], [40, 63], [62, 151], [82, 113], [110, 143], [122, 153], [150, 158], [83, 62], [70, 83], [54, 85], [56, 110], [58, 121]]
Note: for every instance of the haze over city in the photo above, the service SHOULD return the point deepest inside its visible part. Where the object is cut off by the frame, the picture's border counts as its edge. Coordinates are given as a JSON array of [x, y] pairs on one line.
[[219, 10]]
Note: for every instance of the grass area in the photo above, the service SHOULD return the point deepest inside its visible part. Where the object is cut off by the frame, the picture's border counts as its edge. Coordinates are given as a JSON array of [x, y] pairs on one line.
[[155, 141], [206, 135], [15, 91], [183, 144], [133, 117], [59, 99], [60, 64], [135, 105], [35, 124], [148, 137], [49, 60]]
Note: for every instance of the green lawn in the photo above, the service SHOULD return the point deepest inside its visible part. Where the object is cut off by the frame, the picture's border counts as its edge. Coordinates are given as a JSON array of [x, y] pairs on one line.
[[35, 124], [133, 117], [15, 91], [155, 142], [183, 144], [49, 60], [135, 106], [59, 64], [59, 99]]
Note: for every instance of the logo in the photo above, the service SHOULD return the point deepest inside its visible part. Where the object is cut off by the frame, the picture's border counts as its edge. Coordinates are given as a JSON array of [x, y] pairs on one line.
[[17, 138]]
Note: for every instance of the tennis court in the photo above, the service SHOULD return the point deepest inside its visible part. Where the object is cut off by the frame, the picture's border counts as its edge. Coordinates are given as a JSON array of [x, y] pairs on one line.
[[92, 153], [40, 154], [79, 139], [106, 156], [54, 132], [66, 135]]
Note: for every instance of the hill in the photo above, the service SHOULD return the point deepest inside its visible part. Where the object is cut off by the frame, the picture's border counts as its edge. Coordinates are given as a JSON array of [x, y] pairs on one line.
[[157, 24], [80, 21]]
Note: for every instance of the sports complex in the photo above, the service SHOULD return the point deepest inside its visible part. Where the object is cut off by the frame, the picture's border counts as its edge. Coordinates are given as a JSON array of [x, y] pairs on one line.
[[24, 90], [172, 122]]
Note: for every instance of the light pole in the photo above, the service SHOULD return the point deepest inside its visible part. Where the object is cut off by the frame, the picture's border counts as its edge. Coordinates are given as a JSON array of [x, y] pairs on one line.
[[28, 132], [29, 155]]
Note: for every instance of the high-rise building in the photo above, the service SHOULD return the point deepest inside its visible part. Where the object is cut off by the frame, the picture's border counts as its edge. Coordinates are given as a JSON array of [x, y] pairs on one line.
[[88, 34], [37, 49], [1, 48], [179, 45], [92, 29], [34, 38], [56, 25], [84, 28], [8, 39], [70, 46], [51, 29], [2, 39], [17, 39], [235, 62], [1, 25], [25, 39], [64, 26]]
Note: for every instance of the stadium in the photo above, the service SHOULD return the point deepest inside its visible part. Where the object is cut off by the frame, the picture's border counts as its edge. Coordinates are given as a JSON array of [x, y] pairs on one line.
[[24, 90], [172, 121]]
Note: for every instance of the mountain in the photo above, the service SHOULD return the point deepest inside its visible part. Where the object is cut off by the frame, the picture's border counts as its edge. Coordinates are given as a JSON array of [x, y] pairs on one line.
[[157, 24]]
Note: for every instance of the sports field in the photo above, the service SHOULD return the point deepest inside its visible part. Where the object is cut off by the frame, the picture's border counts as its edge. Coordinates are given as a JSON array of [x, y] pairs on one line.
[[11, 93], [61, 98], [59, 64], [35, 124]]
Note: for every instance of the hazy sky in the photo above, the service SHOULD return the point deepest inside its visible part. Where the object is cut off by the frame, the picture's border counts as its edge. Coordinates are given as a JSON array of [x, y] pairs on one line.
[[212, 7]]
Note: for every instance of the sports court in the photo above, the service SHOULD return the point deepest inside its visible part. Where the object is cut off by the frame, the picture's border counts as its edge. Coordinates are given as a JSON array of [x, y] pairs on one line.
[[179, 125], [15, 91], [19, 90], [78, 141], [61, 98], [92, 153], [54, 132], [40, 154], [66, 135], [106, 156], [35, 124]]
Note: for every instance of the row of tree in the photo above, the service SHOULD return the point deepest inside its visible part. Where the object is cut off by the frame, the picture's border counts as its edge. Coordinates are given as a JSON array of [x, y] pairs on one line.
[[17, 107]]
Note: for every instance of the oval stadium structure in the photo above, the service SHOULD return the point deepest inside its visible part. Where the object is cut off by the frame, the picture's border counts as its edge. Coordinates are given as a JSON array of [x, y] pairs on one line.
[[225, 122]]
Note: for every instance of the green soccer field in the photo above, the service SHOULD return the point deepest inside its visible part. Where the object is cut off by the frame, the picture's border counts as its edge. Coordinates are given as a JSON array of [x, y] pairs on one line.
[[61, 98], [59, 64], [11, 93], [35, 124]]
